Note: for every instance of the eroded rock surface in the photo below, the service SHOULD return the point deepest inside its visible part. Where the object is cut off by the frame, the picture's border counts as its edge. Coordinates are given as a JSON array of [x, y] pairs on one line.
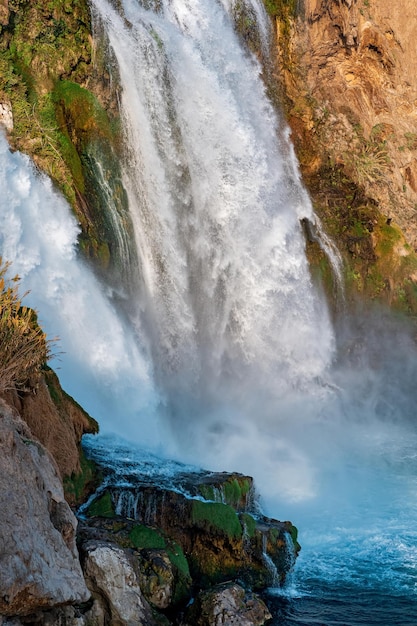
[[39, 565], [115, 585], [227, 605], [349, 79], [360, 69], [58, 422]]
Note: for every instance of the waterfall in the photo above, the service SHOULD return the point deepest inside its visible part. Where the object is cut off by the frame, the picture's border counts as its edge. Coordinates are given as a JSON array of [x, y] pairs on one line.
[[216, 200], [223, 354]]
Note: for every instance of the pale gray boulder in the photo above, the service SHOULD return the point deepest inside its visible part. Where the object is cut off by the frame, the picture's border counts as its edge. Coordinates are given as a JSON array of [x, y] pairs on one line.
[[114, 583], [39, 564]]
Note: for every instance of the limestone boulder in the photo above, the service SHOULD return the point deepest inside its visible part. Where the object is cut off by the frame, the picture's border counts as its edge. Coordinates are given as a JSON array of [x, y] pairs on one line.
[[39, 564], [114, 583], [227, 605]]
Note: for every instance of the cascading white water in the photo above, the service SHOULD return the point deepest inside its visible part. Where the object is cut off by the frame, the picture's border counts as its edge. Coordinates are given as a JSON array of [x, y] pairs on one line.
[[227, 335], [216, 201], [101, 363]]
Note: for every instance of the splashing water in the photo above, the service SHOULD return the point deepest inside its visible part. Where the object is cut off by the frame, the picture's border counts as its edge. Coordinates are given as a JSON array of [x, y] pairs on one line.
[[227, 355], [226, 289], [101, 364]]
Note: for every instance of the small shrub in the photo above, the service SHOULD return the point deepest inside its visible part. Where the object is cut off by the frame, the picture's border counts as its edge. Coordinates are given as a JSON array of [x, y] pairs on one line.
[[24, 348]]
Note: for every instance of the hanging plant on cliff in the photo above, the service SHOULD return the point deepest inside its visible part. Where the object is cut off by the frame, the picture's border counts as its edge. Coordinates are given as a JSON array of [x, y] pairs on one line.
[[24, 348]]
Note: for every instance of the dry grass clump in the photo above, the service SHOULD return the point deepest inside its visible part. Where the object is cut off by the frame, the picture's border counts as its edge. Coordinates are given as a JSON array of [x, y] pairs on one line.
[[24, 348]]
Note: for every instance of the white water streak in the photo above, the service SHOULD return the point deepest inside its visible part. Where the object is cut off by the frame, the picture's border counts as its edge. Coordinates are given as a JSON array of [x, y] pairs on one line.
[[216, 199]]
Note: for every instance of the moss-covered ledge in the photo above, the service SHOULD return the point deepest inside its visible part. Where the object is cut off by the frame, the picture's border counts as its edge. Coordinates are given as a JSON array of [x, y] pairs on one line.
[[64, 113], [218, 541]]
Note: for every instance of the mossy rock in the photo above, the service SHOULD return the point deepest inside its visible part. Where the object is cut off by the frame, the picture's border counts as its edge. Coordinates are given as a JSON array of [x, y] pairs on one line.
[[249, 525], [216, 517], [281, 8], [143, 536], [102, 507], [79, 485], [45, 66], [147, 539], [232, 489]]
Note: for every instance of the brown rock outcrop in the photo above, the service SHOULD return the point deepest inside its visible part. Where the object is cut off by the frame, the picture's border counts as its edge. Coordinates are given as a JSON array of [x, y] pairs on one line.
[[349, 75], [39, 566], [58, 422]]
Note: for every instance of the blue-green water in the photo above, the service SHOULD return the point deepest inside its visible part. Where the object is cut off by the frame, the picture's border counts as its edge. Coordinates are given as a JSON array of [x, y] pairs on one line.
[[358, 564], [343, 606]]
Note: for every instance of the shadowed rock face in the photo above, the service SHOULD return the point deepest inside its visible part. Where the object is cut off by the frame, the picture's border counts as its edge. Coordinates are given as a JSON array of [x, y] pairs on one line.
[[39, 566]]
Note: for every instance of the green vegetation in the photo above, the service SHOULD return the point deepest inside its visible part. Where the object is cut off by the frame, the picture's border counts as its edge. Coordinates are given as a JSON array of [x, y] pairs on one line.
[[45, 67], [370, 164], [249, 524], [232, 492], [43, 43], [235, 490], [246, 25], [177, 558], [76, 485], [294, 536], [281, 8], [209, 492], [24, 348], [102, 507], [145, 537], [411, 140], [217, 516], [368, 159]]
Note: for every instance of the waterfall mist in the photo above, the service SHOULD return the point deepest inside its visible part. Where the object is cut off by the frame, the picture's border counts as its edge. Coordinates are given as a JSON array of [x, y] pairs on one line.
[[226, 355], [99, 359]]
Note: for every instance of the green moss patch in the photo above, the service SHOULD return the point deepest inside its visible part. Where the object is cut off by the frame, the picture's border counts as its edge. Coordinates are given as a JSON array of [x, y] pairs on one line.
[[249, 524], [77, 486], [280, 8], [235, 491], [145, 537], [102, 507], [177, 558], [217, 516]]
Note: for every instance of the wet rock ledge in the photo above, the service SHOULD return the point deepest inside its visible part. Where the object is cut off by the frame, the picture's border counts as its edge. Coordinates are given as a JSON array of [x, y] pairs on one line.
[[187, 549], [193, 544]]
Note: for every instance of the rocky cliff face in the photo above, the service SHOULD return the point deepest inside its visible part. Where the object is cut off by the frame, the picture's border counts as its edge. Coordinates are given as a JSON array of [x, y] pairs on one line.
[[61, 108], [348, 74], [39, 565], [57, 422]]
